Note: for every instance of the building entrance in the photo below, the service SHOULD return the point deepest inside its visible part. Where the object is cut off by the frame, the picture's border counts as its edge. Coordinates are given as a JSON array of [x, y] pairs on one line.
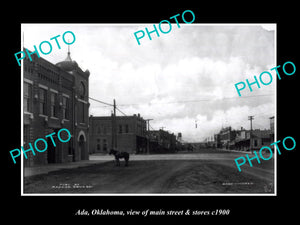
[[52, 151], [81, 145]]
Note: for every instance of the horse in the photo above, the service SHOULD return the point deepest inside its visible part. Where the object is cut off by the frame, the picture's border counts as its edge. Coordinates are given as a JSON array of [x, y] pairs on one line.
[[119, 155]]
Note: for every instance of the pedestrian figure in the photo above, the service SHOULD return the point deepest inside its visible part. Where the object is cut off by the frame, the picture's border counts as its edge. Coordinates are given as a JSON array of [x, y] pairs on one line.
[[119, 155]]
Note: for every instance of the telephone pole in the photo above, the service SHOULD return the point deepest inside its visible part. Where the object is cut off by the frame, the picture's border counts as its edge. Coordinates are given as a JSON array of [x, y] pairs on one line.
[[251, 118], [114, 107], [148, 135], [114, 127]]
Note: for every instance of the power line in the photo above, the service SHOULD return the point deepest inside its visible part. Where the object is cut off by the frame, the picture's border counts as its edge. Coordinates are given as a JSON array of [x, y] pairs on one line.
[[108, 104], [198, 100], [151, 127], [105, 103], [176, 102], [120, 111]]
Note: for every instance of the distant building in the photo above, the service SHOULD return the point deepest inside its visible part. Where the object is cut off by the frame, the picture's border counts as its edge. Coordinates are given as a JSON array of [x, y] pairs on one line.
[[272, 123], [179, 137], [259, 139], [272, 134], [217, 143], [242, 140], [55, 97], [162, 141], [226, 136], [211, 142], [130, 134]]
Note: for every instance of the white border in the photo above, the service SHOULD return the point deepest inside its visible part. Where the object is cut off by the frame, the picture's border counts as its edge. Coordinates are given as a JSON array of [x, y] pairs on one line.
[[275, 117], [22, 114], [147, 194]]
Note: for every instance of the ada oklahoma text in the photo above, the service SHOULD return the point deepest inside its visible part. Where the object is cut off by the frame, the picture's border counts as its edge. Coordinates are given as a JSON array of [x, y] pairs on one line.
[[36, 143]]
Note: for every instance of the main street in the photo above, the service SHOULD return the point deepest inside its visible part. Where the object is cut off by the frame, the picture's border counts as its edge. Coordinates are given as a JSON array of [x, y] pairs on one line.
[[208, 172]]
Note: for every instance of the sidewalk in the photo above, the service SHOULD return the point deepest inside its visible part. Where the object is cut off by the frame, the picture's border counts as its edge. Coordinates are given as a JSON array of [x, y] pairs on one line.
[[44, 169], [232, 150]]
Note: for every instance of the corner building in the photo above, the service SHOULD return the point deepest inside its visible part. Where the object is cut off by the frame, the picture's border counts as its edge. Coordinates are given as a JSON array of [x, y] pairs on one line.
[[129, 134], [55, 97]]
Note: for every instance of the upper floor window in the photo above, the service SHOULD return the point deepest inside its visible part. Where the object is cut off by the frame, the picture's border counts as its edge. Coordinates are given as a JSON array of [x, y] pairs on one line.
[[65, 107], [104, 143], [81, 112], [104, 130], [53, 101], [27, 97], [81, 90], [43, 101]]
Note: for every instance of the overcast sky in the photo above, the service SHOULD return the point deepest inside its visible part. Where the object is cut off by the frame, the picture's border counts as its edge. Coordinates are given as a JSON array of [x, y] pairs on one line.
[[178, 79]]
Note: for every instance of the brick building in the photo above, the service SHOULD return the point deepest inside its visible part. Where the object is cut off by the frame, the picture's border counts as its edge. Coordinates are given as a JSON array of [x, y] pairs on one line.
[[242, 140], [259, 139], [162, 141], [226, 137], [130, 134], [55, 97]]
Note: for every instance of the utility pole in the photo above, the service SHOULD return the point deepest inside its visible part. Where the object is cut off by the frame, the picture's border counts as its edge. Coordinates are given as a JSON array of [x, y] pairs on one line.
[[251, 118], [114, 107], [148, 135], [114, 127], [162, 128]]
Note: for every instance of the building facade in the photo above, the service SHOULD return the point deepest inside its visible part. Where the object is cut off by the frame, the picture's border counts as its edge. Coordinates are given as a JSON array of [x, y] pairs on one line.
[[226, 137], [272, 128], [259, 138], [55, 97], [245, 140], [128, 134], [242, 140], [162, 141]]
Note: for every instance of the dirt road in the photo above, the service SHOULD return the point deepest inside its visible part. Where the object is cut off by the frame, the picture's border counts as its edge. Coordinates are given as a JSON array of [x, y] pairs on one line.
[[176, 173]]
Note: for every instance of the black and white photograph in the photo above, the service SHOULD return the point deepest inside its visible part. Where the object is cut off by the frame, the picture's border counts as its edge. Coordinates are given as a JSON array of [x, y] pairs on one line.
[[146, 113], [130, 109]]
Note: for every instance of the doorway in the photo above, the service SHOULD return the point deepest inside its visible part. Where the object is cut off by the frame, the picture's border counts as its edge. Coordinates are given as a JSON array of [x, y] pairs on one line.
[[81, 145], [51, 150]]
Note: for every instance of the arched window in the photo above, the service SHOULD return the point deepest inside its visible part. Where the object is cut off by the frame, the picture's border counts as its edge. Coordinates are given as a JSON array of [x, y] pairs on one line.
[[81, 90]]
